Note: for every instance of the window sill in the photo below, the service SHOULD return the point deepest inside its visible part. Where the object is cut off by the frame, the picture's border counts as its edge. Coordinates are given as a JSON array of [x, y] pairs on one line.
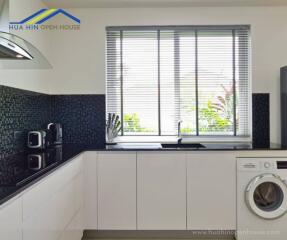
[[173, 139]]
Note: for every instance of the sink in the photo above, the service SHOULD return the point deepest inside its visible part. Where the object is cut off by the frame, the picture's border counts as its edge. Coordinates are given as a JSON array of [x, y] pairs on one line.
[[182, 145]]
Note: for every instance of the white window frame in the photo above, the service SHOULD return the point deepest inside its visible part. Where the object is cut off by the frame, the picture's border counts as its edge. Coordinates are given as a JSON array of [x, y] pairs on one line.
[[195, 138]]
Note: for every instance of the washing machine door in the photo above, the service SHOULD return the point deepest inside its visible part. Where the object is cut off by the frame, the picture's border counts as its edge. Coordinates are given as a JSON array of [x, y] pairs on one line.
[[266, 196]]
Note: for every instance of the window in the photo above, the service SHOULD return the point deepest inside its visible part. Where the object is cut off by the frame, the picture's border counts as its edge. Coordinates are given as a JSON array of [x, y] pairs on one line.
[[157, 76]]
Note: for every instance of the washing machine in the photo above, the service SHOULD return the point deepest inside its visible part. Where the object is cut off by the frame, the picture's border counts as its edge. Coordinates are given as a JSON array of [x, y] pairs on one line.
[[261, 199]]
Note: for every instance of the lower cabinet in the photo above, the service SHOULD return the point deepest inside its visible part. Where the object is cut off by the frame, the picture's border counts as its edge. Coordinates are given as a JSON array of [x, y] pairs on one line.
[[161, 190], [90, 191], [125, 190], [53, 216], [74, 229], [49, 222], [116, 190], [11, 220], [211, 191]]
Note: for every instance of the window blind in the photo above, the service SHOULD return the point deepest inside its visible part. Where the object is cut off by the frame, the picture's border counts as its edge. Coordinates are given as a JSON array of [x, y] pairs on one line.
[[157, 76]]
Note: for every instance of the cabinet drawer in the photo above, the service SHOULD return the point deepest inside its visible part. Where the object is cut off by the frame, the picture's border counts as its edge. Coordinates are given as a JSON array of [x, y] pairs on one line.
[[37, 196]]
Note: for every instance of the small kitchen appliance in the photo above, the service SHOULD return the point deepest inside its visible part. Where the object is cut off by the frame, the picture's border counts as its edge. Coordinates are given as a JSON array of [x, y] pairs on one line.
[[56, 132], [40, 139]]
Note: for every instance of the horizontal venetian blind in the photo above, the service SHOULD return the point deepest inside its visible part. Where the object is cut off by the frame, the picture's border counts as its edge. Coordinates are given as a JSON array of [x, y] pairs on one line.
[[157, 76]]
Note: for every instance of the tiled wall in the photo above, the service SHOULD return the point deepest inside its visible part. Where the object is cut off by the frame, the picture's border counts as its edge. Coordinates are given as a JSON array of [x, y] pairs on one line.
[[20, 112], [261, 120], [82, 116]]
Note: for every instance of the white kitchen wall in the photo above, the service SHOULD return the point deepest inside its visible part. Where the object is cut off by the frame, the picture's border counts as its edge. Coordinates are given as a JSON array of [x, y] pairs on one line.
[[79, 57], [35, 80]]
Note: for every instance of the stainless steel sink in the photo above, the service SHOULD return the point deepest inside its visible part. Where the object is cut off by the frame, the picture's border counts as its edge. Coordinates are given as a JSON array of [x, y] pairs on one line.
[[183, 145]]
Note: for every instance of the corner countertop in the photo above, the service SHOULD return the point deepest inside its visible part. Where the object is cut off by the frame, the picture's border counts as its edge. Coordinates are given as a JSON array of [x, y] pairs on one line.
[[16, 173]]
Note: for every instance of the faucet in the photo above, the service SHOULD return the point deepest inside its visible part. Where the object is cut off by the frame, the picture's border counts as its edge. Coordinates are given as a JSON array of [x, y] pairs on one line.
[[179, 137]]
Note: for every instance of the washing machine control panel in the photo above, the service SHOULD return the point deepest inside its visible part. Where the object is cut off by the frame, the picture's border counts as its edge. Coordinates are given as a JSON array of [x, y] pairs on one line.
[[261, 164]]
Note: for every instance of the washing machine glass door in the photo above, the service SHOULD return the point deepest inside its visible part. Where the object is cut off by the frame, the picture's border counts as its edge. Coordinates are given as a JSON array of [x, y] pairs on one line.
[[266, 196]]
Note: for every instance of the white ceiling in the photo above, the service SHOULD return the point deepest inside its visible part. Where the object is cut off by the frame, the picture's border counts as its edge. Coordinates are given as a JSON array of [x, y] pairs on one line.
[[159, 3]]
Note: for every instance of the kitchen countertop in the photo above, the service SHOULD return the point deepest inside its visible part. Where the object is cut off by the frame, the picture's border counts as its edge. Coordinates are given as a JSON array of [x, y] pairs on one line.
[[207, 147], [17, 173]]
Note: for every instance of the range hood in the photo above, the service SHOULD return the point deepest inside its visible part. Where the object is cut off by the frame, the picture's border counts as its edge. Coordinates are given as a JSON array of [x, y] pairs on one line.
[[15, 52], [10, 50]]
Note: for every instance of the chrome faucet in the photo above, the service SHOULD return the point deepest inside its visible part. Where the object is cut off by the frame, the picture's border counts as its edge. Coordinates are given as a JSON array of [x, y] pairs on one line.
[[179, 137]]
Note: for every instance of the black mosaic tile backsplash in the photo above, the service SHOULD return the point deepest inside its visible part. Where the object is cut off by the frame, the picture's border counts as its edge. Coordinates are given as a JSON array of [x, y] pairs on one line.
[[261, 120], [82, 117], [20, 112]]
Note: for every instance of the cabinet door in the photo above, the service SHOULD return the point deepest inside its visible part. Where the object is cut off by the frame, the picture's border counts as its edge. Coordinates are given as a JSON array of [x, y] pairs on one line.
[[211, 191], [161, 191], [37, 196], [55, 210], [90, 191], [117, 191], [49, 222], [11, 220]]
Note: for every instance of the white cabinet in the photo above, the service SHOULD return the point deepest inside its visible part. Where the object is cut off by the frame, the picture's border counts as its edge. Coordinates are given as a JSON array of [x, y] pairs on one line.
[[74, 229], [116, 190], [11, 220], [161, 190], [126, 190], [211, 191], [49, 222], [52, 215], [90, 191], [38, 195]]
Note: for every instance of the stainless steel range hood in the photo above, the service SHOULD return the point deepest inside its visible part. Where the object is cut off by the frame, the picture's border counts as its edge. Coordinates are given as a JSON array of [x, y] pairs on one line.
[[10, 50], [15, 52]]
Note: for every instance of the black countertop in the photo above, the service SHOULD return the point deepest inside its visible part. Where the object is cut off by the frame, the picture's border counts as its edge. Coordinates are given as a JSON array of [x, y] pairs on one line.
[[20, 171], [207, 147]]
